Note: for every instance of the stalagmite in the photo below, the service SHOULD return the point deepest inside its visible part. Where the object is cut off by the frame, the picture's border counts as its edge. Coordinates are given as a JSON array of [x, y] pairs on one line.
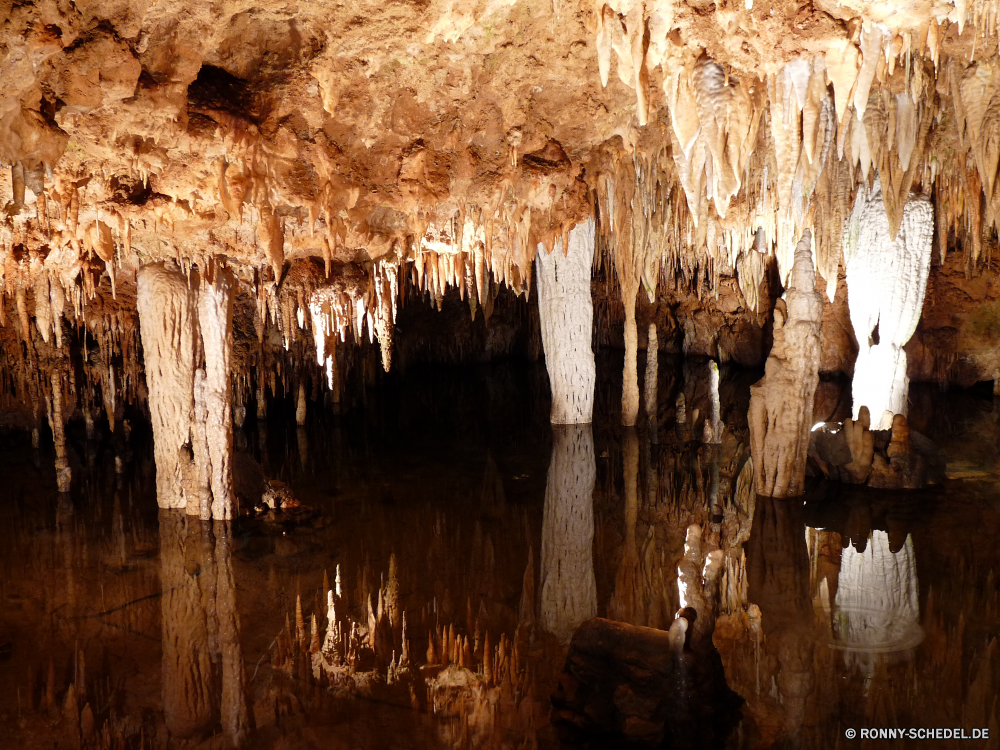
[[886, 282], [567, 313], [781, 403], [568, 587]]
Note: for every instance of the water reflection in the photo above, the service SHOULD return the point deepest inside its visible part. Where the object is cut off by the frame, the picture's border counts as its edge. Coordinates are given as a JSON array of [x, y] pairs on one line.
[[855, 608], [877, 610], [204, 679], [569, 589]]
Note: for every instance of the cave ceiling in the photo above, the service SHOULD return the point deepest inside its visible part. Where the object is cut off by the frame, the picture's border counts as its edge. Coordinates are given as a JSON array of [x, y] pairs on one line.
[[440, 143]]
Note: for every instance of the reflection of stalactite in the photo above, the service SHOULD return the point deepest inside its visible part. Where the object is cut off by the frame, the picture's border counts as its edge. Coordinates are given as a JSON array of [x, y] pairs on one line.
[[569, 589], [877, 599]]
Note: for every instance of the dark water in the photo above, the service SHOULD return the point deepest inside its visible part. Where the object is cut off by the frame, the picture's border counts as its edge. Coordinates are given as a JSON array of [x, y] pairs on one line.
[[854, 609]]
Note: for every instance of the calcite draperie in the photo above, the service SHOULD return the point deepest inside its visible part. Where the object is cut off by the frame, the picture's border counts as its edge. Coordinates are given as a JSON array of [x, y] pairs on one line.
[[183, 321], [567, 318], [886, 282], [781, 404]]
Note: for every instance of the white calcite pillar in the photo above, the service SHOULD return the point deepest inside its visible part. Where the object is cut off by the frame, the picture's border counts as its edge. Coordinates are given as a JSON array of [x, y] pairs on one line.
[[567, 319]]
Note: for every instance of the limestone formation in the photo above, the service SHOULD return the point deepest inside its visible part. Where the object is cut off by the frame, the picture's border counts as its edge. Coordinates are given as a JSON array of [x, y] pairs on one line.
[[781, 403]]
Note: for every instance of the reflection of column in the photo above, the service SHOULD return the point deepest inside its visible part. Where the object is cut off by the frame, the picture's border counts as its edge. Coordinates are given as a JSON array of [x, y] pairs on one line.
[[877, 600], [569, 589], [200, 625], [236, 719], [567, 316], [778, 575], [188, 705]]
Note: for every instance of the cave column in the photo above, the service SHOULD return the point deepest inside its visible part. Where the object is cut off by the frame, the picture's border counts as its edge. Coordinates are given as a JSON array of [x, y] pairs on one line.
[[781, 403], [167, 322], [184, 323], [886, 284], [567, 318]]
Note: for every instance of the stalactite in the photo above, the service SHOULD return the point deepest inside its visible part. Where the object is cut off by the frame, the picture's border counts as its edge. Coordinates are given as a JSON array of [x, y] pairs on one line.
[[650, 382], [57, 421]]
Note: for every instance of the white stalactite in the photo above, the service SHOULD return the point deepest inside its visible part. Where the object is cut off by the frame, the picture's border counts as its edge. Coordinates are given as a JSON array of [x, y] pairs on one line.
[[886, 282], [569, 588], [567, 317]]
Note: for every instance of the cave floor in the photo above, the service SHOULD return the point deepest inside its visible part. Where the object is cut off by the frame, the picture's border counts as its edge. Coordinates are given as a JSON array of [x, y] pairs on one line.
[[856, 608]]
